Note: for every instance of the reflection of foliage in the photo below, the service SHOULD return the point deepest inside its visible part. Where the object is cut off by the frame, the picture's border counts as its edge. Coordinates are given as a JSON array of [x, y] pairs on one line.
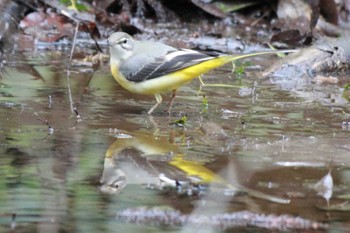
[[180, 122], [205, 103], [240, 67], [37, 182]]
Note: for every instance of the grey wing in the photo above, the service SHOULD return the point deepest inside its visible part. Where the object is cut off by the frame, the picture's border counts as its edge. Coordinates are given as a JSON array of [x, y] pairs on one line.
[[132, 66], [146, 68]]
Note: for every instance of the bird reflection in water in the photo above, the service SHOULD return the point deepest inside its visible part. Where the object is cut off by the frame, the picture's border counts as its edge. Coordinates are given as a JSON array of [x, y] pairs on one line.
[[153, 161], [156, 163]]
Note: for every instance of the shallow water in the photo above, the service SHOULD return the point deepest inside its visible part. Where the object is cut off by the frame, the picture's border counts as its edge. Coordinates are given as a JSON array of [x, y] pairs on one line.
[[255, 147]]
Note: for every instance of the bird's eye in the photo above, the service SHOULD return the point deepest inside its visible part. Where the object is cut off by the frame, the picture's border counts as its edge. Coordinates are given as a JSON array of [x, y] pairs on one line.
[[125, 41]]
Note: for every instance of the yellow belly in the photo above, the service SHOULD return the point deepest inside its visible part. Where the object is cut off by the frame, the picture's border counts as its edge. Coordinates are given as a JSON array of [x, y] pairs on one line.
[[170, 81]]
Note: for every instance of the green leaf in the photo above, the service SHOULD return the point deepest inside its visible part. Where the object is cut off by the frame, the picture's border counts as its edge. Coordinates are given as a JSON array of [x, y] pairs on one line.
[[180, 122], [231, 6], [73, 4]]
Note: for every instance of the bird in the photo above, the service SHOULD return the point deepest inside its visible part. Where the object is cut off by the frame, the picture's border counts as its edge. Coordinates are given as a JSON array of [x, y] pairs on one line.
[[150, 67]]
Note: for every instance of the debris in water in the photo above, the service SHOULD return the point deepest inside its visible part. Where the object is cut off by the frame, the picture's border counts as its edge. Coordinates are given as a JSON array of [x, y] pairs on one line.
[[324, 187], [168, 216]]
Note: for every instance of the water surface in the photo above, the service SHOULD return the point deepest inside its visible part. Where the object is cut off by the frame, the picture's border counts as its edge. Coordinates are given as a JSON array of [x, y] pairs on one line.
[[78, 153]]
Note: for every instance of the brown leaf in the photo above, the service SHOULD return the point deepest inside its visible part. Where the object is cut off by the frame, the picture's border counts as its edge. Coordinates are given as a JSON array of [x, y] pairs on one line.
[[329, 11], [90, 27], [290, 38]]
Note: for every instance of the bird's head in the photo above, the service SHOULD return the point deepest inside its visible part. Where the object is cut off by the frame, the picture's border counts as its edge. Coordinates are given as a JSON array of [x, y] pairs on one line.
[[121, 46]]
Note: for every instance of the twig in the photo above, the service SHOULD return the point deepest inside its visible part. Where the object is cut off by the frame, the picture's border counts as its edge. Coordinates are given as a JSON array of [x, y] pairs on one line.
[[45, 122], [77, 113], [13, 221], [68, 69], [74, 43], [50, 101], [69, 92]]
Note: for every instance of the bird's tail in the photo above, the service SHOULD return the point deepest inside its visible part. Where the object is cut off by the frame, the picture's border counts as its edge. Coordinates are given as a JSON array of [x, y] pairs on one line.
[[241, 56]]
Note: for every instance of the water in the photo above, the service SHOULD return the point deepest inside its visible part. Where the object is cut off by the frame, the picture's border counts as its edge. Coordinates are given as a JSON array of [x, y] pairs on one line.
[[256, 147]]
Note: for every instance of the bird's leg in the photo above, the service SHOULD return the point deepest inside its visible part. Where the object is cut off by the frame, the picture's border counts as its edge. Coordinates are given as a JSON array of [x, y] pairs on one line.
[[201, 80], [203, 84], [171, 101], [233, 67], [159, 100]]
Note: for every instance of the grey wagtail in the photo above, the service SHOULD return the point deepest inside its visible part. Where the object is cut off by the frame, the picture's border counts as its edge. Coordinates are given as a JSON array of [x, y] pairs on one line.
[[146, 67]]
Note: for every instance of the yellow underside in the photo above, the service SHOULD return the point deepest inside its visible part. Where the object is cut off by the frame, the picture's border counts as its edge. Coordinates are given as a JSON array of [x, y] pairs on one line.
[[195, 169], [170, 81]]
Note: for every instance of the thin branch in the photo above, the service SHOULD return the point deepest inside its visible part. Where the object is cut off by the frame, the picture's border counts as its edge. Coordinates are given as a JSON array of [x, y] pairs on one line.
[[45, 122]]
